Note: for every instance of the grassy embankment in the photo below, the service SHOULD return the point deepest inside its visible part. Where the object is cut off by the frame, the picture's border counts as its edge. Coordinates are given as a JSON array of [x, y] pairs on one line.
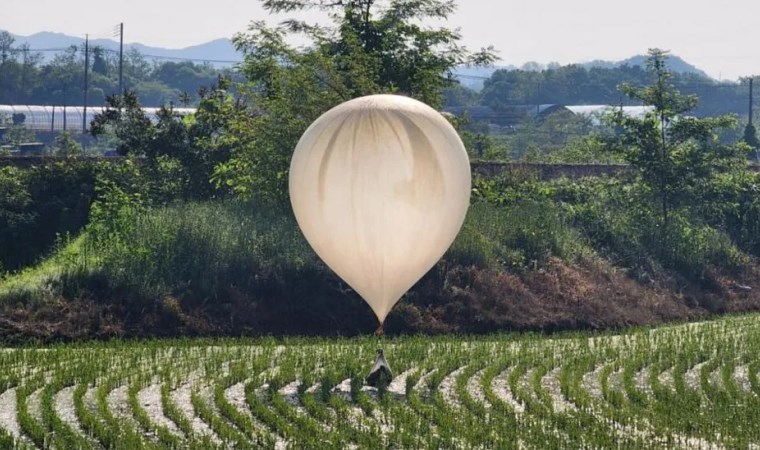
[[547, 256]]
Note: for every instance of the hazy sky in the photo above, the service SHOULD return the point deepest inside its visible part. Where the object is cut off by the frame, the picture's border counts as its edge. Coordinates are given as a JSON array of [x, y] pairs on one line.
[[720, 37]]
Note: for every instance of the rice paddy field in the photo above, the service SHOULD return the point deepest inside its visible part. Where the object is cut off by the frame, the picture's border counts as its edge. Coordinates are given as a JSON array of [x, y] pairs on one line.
[[681, 386]]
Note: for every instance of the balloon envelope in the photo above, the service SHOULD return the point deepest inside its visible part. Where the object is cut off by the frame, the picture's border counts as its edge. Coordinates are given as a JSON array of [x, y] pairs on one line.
[[380, 186]]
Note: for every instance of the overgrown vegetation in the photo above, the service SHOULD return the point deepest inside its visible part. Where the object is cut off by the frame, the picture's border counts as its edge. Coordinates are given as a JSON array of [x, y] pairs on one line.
[[39, 205]]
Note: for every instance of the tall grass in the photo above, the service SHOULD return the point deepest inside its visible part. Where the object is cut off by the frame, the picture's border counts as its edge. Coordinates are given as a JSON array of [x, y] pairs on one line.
[[518, 236], [633, 238], [202, 247], [202, 250], [45, 280]]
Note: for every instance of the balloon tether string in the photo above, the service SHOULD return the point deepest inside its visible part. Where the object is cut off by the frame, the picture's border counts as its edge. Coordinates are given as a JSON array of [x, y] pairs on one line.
[[380, 332]]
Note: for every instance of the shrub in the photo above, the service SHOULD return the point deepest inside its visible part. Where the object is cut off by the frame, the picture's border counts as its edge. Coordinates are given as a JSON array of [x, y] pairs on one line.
[[622, 228], [39, 204], [519, 236], [199, 248]]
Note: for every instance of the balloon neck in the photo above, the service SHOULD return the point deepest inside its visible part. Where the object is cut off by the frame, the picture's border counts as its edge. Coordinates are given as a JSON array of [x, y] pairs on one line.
[[379, 332]]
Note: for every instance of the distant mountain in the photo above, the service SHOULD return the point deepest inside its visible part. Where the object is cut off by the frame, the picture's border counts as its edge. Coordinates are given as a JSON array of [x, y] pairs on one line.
[[675, 63], [220, 51], [473, 77], [223, 50]]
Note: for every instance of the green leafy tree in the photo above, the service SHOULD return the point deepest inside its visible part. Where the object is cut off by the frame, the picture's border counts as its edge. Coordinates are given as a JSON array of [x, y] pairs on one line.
[[675, 157], [99, 62], [537, 138], [15, 214], [189, 147], [369, 48], [63, 77], [125, 118], [185, 76], [577, 85], [66, 145], [6, 46], [750, 137]]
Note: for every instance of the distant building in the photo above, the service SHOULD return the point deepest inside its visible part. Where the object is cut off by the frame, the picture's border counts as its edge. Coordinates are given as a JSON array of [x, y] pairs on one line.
[[31, 148], [68, 118], [595, 112], [512, 116]]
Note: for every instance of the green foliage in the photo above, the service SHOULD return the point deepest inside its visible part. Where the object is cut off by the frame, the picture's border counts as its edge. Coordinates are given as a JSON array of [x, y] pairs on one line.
[[369, 49], [675, 158], [196, 249], [113, 214], [477, 139], [50, 279], [612, 217], [732, 203], [750, 137], [559, 137], [616, 220], [591, 149], [538, 138], [15, 215], [27, 78], [522, 235], [574, 84], [40, 203], [514, 224], [65, 145], [184, 150], [124, 118]]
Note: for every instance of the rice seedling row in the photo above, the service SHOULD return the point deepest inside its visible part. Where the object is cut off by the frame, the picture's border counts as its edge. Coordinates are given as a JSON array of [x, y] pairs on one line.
[[683, 386]]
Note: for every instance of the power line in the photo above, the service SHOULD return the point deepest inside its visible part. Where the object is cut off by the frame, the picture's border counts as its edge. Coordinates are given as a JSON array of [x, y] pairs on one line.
[[179, 58], [680, 83], [147, 55]]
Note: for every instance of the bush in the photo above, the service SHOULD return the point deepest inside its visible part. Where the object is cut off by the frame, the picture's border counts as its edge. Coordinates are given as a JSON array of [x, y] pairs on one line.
[[39, 204], [622, 228], [519, 236], [197, 249], [693, 248]]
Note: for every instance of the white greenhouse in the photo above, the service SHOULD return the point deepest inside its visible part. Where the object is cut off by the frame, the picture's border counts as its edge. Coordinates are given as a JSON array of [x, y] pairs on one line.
[[60, 118]]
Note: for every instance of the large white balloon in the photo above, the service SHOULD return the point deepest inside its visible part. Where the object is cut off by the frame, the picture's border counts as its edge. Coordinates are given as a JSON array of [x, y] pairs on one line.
[[380, 186]]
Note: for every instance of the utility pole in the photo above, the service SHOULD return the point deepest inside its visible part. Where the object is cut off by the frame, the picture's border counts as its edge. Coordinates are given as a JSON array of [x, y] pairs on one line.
[[750, 99], [121, 58], [86, 80], [65, 101], [750, 135], [25, 52]]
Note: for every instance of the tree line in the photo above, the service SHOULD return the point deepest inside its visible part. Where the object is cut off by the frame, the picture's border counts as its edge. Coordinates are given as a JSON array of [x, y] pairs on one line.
[[27, 78], [578, 85]]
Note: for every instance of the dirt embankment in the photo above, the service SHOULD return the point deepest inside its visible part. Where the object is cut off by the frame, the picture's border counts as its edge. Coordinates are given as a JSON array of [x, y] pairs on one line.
[[587, 295]]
